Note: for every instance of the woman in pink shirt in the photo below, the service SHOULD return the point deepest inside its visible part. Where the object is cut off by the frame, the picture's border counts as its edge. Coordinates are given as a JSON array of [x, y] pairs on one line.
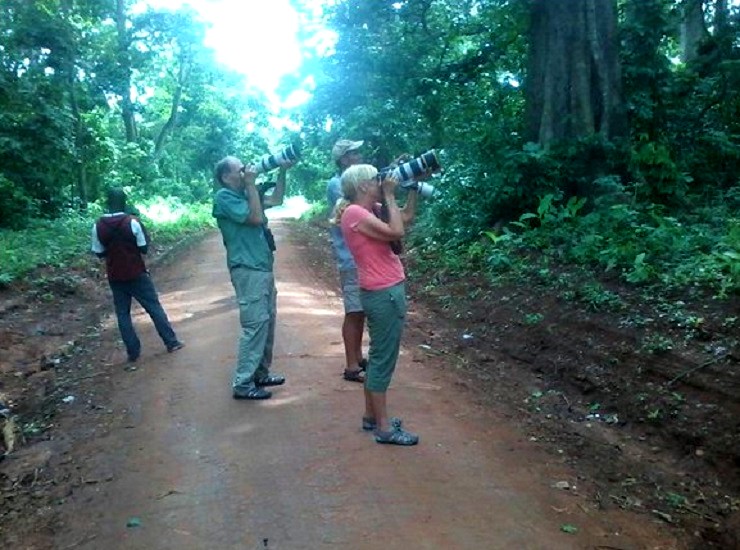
[[382, 293]]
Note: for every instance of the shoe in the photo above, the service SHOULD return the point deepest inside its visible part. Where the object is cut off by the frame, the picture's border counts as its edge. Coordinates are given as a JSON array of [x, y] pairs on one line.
[[369, 424], [362, 365], [252, 393], [270, 380], [133, 358], [396, 435], [176, 346], [354, 375]]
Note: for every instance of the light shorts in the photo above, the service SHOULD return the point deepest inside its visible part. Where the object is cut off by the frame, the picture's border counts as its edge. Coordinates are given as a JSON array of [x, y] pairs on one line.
[[350, 290]]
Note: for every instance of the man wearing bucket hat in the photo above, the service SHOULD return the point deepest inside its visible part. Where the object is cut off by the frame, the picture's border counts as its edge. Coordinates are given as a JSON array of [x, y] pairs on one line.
[[345, 153]]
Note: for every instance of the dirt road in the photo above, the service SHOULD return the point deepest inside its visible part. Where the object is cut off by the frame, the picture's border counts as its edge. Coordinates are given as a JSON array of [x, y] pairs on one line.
[[177, 463]]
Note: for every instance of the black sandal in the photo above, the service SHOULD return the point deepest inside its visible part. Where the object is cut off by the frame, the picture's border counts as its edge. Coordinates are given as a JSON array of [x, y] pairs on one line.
[[252, 394], [354, 376], [270, 380], [368, 424]]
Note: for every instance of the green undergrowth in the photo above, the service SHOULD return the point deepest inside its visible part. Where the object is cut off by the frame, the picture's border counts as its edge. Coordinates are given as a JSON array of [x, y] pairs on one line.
[[64, 243], [658, 255]]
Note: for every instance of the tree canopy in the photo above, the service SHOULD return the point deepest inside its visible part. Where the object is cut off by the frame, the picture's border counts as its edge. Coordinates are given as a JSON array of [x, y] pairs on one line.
[[94, 95], [634, 100]]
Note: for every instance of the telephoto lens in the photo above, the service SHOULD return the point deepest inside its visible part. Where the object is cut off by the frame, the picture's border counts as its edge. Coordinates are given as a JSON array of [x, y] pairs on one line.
[[416, 167], [430, 160], [281, 158], [424, 189], [407, 172]]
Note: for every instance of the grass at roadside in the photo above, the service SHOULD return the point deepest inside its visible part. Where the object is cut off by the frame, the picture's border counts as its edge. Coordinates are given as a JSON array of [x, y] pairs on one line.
[[65, 242]]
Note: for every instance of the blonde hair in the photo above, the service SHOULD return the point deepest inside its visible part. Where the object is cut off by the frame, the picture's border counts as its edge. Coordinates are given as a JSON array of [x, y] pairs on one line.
[[352, 178]]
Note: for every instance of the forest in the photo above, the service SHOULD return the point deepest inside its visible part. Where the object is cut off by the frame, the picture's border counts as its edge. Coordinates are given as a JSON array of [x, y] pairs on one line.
[[617, 117], [589, 148]]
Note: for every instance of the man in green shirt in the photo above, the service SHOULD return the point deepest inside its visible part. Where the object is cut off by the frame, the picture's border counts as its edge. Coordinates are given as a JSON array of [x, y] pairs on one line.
[[239, 211]]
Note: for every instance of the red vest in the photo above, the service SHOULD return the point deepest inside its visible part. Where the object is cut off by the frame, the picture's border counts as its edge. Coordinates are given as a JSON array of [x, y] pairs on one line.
[[123, 260]]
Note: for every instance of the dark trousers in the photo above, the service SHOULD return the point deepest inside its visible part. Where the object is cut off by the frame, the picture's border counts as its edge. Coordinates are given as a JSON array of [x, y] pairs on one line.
[[142, 289]]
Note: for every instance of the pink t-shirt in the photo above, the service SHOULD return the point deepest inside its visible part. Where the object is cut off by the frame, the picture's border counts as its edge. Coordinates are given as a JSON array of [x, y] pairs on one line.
[[377, 266]]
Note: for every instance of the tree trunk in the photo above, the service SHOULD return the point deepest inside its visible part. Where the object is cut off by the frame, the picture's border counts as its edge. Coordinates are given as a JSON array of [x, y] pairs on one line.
[[723, 32], [721, 16], [182, 79], [573, 86], [693, 30], [79, 154], [70, 61], [124, 65]]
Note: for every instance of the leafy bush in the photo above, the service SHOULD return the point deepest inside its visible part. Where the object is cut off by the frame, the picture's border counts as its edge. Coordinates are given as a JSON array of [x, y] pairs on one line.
[[643, 245], [15, 206], [658, 174], [53, 243]]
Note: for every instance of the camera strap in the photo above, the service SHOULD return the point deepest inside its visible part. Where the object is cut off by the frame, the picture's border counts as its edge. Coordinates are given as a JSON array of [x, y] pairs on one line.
[[396, 246]]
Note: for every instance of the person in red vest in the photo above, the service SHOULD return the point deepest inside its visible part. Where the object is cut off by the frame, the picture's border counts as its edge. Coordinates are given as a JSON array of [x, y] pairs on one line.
[[121, 239]]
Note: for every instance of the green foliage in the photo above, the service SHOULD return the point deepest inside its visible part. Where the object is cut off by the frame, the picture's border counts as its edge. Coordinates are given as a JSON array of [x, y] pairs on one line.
[[318, 211], [65, 242], [658, 175], [653, 210], [643, 246], [66, 75], [550, 213], [659, 208], [597, 298], [533, 318], [683, 117], [416, 75], [656, 344], [169, 219], [15, 206], [53, 243]]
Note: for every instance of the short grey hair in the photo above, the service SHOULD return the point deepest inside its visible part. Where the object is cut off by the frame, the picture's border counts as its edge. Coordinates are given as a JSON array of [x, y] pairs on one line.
[[223, 166]]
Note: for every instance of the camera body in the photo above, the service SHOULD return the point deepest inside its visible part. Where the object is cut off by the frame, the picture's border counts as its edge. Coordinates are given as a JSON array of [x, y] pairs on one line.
[[286, 155], [406, 172]]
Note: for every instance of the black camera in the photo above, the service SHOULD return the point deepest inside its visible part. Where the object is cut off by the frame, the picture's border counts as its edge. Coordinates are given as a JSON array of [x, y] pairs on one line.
[[269, 237], [407, 171], [264, 187]]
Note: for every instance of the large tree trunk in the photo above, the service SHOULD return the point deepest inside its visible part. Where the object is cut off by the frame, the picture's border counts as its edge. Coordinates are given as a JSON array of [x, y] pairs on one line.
[[573, 86], [693, 30]]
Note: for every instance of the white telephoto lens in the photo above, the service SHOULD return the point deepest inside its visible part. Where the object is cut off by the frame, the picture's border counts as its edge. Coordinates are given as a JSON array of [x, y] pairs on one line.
[[282, 158], [425, 190]]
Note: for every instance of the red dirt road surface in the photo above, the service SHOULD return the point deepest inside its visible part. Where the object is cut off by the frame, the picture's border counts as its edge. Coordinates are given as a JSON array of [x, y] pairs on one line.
[[170, 460]]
